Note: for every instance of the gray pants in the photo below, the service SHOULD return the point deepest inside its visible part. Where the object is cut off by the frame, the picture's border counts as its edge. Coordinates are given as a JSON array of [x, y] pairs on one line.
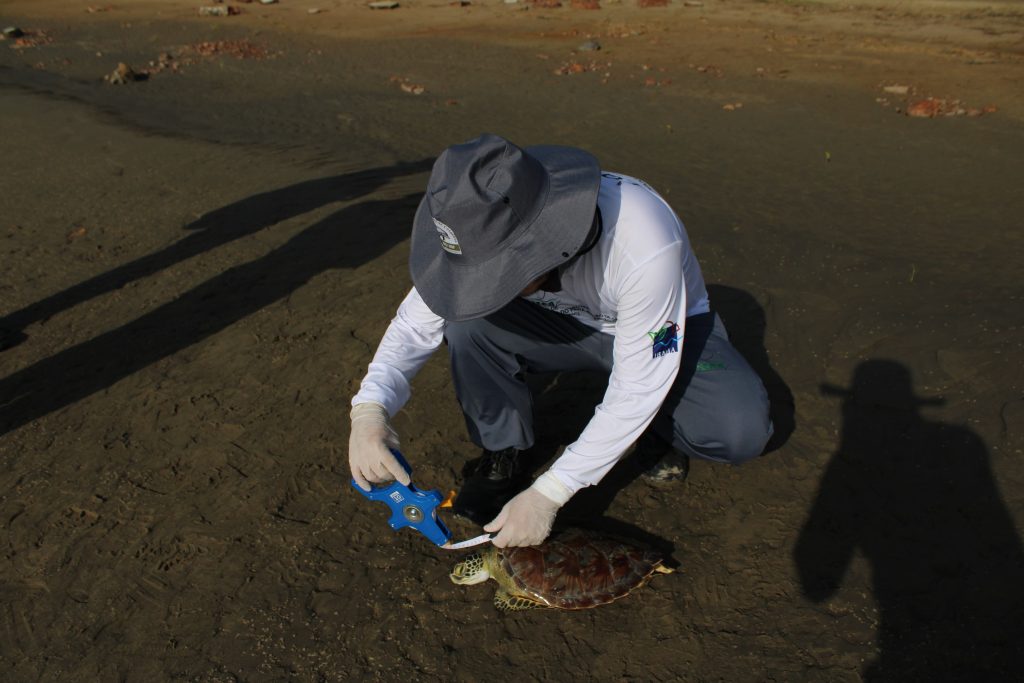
[[717, 408]]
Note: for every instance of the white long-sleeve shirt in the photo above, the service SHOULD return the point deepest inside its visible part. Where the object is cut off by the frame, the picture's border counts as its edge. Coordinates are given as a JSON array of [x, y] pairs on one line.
[[639, 283]]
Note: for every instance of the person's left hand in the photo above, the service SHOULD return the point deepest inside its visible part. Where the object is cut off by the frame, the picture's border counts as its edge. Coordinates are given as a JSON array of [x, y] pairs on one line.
[[525, 520]]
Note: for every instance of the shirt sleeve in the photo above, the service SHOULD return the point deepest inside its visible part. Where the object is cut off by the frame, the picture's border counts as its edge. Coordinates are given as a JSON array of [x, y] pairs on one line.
[[646, 358], [413, 335]]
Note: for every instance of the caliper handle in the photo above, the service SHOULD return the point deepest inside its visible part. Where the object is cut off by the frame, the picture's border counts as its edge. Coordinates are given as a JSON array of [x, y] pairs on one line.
[[410, 506]]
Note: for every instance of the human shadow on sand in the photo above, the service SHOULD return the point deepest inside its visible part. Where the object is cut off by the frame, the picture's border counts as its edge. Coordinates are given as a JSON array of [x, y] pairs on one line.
[[918, 500], [350, 237], [213, 229], [745, 320]]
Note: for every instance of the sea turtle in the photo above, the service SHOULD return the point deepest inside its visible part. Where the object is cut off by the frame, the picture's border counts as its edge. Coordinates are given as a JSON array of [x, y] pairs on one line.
[[574, 569]]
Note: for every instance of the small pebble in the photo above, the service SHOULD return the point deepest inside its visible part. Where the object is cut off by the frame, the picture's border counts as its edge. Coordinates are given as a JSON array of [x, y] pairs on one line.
[[589, 46], [13, 32], [122, 75], [385, 4], [217, 11]]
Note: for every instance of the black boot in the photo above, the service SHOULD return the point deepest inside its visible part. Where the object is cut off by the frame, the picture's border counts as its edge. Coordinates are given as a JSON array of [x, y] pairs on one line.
[[491, 481], [659, 461]]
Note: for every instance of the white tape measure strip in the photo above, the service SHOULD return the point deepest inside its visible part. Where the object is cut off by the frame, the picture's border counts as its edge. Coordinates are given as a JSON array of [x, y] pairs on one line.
[[468, 543]]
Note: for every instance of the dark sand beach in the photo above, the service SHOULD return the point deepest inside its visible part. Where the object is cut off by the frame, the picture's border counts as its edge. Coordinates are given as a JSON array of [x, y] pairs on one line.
[[197, 267]]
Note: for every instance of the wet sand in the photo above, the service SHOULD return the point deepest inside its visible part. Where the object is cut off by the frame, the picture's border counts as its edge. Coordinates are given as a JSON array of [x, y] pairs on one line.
[[197, 268]]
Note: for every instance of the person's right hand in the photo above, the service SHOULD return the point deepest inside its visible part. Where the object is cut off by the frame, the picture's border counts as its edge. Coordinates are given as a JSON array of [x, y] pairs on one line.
[[369, 443]]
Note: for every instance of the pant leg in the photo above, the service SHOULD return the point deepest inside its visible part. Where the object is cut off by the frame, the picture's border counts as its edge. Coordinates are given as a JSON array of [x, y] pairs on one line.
[[491, 356], [717, 408]]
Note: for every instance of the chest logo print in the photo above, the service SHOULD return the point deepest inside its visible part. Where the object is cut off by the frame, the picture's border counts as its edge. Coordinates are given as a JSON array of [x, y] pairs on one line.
[[665, 340]]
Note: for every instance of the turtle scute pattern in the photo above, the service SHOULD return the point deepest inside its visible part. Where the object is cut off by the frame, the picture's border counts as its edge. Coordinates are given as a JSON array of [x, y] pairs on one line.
[[579, 570]]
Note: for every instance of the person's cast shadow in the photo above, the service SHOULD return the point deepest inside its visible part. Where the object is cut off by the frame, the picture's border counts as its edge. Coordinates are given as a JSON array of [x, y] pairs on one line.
[[350, 237], [745, 320], [211, 230], [918, 500]]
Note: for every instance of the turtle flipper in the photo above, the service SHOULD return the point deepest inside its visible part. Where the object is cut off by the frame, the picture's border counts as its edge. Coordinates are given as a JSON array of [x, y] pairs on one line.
[[513, 603]]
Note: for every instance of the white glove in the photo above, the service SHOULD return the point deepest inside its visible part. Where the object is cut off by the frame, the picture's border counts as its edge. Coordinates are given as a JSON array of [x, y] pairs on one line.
[[368, 456], [527, 518]]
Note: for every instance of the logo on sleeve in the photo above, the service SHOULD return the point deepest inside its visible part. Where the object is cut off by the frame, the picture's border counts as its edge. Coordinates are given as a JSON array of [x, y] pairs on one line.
[[666, 340]]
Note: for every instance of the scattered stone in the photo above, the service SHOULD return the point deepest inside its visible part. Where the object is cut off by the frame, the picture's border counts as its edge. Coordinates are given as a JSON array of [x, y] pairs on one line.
[[268, 2], [407, 86], [709, 69], [897, 89], [930, 107], [314, 10], [569, 69], [693, 3], [511, 2], [732, 106], [123, 75], [384, 4], [241, 49], [651, 81], [80, 231], [589, 46], [165, 61], [218, 11], [546, 4], [25, 39], [926, 108]]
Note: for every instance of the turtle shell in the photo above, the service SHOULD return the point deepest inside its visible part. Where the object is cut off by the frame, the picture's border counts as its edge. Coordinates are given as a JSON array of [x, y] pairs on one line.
[[577, 569]]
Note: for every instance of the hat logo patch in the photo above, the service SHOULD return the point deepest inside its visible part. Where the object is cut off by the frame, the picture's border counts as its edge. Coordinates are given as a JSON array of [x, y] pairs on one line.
[[448, 240]]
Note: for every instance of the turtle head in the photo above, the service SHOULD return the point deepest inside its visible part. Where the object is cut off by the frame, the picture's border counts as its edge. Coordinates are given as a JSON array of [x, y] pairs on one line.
[[471, 570]]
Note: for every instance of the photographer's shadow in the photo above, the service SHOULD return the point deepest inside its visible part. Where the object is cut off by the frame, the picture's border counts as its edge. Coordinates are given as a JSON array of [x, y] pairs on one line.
[[918, 500]]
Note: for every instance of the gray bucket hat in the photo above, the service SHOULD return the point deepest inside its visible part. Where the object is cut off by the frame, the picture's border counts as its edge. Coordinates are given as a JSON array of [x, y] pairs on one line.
[[494, 218]]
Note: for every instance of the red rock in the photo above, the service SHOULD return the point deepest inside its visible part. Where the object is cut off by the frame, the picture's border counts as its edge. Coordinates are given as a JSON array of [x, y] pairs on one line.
[[927, 108]]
